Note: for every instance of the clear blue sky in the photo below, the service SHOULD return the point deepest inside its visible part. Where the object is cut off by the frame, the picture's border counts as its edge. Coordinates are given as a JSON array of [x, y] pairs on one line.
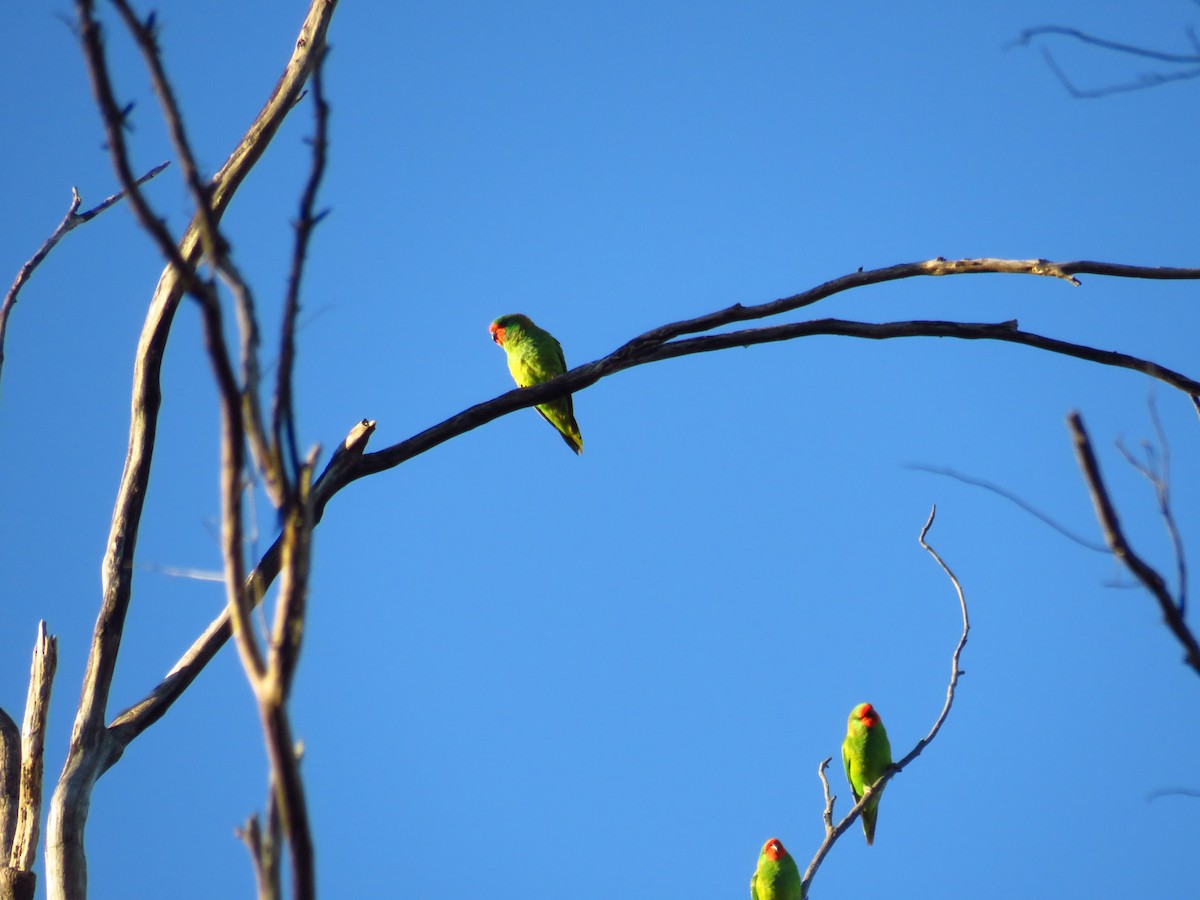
[[539, 676]]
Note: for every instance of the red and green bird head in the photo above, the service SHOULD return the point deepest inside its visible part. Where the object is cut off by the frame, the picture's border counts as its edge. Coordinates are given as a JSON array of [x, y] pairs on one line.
[[499, 328]]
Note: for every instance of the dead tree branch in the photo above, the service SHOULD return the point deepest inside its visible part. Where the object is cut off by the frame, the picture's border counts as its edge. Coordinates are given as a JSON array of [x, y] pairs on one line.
[[283, 428], [265, 846], [1146, 80], [832, 832], [270, 677], [72, 220], [21, 764], [351, 462], [1157, 471], [94, 748], [1172, 610], [1011, 498]]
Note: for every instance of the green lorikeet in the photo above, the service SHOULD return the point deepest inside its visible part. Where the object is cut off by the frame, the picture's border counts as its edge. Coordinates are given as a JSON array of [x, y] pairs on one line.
[[776, 877], [866, 754], [535, 356]]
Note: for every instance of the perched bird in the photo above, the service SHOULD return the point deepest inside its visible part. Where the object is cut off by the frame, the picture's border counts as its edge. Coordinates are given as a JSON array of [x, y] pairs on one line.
[[776, 877], [535, 356], [866, 754]]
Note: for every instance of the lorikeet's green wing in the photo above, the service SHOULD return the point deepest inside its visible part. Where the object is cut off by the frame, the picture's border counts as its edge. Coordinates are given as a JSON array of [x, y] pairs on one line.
[[559, 413], [846, 766], [754, 886]]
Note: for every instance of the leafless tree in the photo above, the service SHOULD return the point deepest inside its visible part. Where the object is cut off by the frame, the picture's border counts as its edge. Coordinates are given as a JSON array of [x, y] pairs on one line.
[[259, 445]]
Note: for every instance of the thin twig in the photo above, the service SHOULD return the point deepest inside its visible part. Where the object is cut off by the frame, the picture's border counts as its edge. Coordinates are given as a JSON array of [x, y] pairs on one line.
[[1145, 80], [1012, 498], [145, 35], [1029, 34], [827, 814], [215, 247], [1114, 536], [1157, 470], [113, 117], [283, 415], [1171, 792], [834, 832], [72, 220]]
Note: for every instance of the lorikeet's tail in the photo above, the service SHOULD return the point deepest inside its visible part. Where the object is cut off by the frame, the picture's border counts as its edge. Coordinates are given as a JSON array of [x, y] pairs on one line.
[[869, 815], [563, 420], [574, 441]]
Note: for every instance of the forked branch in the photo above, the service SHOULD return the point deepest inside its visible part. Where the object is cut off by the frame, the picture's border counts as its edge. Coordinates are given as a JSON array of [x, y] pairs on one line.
[[1114, 535], [94, 747], [72, 220]]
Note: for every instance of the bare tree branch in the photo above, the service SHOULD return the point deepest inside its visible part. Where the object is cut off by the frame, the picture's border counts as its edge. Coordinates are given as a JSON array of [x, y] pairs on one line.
[[351, 462], [33, 741], [1114, 536], [21, 775], [827, 813], [1157, 470], [10, 784], [270, 679], [1029, 34], [832, 832], [137, 718], [215, 247], [283, 415], [265, 848], [93, 747], [1012, 498], [1171, 792], [72, 220], [1143, 81]]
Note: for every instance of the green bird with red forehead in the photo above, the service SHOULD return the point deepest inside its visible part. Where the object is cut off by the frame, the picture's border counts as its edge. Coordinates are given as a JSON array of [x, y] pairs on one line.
[[535, 356], [776, 877], [866, 754]]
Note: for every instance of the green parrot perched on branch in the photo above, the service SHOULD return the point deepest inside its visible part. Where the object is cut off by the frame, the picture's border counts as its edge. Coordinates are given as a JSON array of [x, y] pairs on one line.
[[535, 356], [866, 754], [776, 877]]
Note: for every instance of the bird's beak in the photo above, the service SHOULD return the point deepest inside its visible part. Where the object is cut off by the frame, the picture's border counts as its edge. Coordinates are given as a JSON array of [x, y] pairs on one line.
[[498, 336]]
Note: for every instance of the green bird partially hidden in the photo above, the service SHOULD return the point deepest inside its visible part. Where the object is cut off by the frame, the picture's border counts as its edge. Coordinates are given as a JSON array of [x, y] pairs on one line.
[[866, 754], [776, 877], [535, 356]]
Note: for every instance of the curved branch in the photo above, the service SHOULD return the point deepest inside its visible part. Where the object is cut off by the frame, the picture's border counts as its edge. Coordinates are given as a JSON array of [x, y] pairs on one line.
[[832, 833], [1011, 498], [1083, 37], [1114, 536], [1145, 80], [352, 463]]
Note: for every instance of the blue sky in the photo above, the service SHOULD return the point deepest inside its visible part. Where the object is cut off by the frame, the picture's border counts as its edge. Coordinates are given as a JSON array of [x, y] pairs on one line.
[[535, 675]]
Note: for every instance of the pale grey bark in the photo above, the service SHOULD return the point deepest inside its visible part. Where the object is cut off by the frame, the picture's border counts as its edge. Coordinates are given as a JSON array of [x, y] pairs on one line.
[[21, 756], [95, 747]]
